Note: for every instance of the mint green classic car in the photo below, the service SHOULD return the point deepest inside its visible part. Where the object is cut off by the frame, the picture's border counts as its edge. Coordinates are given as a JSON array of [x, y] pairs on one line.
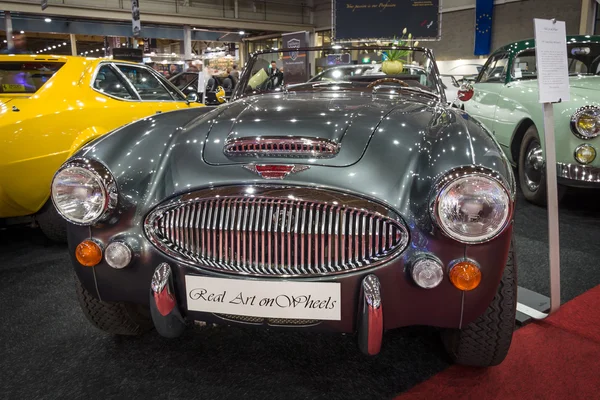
[[505, 100]]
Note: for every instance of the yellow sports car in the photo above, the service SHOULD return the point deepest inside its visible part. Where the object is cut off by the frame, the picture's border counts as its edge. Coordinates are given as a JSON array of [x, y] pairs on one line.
[[51, 106]]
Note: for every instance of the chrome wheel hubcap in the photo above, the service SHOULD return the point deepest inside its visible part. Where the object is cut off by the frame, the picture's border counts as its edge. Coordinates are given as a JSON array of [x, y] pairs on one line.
[[534, 166]]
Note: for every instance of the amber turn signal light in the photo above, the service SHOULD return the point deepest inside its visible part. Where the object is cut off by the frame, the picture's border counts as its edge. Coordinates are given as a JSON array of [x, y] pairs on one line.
[[88, 253], [465, 275]]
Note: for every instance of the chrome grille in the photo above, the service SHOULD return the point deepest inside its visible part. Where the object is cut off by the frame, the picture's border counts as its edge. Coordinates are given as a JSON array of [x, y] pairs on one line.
[[277, 231], [281, 146]]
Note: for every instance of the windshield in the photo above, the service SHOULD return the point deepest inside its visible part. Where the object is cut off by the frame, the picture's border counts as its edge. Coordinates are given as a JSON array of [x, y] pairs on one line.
[[345, 69], [583, 59], [183, 79], [25, 77]]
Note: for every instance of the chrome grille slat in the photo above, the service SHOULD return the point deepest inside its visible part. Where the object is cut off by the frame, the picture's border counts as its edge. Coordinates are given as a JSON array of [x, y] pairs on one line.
[[350, 235], [356, 238], [275, 236], [309, 237]]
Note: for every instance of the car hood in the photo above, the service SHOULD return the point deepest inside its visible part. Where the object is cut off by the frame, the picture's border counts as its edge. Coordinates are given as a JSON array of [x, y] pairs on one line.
[[13, 109], [5, 100], [346, 119], [583, 87]]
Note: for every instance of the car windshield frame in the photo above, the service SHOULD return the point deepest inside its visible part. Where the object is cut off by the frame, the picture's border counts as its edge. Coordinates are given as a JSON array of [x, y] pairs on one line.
[[246, 74]]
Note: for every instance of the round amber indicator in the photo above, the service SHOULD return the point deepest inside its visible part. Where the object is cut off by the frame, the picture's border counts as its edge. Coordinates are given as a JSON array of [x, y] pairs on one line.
[[88, 253], [465, 275]]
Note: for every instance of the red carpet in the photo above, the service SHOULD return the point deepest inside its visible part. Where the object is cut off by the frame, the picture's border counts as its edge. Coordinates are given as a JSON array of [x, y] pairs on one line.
[[558, 358]]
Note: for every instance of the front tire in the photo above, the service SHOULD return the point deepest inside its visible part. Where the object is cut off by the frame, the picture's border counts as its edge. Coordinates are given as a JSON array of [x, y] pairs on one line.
[[117, 318], [51, 223], [485, 341], [532, 169]]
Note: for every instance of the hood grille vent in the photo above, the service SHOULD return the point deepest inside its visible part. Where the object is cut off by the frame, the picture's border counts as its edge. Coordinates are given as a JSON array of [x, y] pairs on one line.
[[283, 232], [281, 147]]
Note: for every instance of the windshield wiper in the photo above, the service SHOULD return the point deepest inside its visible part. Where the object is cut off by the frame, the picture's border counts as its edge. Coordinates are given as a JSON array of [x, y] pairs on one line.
[[329, 83]]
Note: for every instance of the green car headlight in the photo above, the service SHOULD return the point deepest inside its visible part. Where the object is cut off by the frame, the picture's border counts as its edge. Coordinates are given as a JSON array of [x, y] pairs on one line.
[[585, 123]]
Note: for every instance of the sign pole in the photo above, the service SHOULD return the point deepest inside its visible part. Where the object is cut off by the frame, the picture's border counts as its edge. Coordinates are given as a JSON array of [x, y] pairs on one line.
[[553, 226], [553, 81]]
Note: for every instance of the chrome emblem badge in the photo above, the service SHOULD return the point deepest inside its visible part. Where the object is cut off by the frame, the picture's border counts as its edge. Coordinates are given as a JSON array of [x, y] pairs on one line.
[[275, 171], [293, 44]]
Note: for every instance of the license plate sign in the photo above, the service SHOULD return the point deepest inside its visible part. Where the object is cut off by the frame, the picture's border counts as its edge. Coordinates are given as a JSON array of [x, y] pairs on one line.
[[267, 299]]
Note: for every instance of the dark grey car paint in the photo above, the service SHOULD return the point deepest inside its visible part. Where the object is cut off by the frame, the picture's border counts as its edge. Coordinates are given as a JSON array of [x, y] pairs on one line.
[[393, 150]]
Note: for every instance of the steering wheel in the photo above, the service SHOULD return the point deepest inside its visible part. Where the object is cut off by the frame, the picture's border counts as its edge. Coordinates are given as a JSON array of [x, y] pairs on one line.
[[388, 80]]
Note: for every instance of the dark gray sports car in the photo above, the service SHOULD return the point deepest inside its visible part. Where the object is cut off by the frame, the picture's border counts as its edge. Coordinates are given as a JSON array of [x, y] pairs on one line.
[[358, 205]]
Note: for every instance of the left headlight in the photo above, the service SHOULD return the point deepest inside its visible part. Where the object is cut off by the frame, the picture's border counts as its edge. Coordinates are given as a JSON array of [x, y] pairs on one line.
[[472, 207], [585, 123], [83, 191]]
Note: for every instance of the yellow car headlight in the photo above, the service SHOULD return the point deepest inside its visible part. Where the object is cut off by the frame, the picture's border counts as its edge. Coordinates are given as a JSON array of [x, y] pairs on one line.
[[585, 123], [585, 154]]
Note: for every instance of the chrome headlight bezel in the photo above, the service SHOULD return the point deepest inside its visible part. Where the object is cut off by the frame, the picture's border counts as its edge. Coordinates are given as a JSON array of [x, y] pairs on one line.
[[575, 119], [106, 181], [460, 173]]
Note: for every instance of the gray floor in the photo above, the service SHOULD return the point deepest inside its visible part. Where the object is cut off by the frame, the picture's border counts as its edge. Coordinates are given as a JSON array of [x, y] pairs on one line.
[[49, 351]]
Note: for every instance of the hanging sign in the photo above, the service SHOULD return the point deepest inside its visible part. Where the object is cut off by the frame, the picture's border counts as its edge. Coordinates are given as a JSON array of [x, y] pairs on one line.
[[367, 20], [136, 24], [295, 63], [551, 60], [44, 4]]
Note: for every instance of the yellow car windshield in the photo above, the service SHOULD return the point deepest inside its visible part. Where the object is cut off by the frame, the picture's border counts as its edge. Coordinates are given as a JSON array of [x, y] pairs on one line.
[[25, 77]]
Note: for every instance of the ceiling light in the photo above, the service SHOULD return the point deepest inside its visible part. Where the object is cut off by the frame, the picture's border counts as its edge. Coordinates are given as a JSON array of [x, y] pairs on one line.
[[47, 20], [64, 43], [242, 32], [53, 47], [22, 32]]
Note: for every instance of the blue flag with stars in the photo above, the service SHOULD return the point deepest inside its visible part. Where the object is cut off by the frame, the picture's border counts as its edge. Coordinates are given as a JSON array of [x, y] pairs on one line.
[[483, 27]]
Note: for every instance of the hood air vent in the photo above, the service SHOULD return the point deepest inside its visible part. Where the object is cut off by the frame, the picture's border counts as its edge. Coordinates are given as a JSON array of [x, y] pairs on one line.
[[278, 146]]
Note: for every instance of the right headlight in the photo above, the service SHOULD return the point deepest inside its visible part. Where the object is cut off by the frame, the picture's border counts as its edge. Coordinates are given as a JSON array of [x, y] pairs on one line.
[[585, 123], [83, 192], [472, 207]]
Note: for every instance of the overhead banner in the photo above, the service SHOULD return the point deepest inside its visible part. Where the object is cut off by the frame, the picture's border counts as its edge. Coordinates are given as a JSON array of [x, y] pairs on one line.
[[136, 25], [362, 20], [44, 4], [484, 10], [295, 63]]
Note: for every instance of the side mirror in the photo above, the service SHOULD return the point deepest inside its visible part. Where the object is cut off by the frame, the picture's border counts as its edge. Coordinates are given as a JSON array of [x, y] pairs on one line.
[[466, 91], [192, 97]]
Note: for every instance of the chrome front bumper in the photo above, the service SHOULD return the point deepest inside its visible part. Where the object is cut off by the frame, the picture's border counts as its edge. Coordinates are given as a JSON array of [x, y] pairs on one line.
[[578, 175]]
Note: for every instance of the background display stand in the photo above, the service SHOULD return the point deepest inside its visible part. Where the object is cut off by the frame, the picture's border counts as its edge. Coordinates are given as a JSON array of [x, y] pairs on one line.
[[553, 81]]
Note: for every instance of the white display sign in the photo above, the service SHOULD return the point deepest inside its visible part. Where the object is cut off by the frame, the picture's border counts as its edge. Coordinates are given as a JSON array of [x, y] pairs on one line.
[[551, 60], [201, 82], [267, 299]]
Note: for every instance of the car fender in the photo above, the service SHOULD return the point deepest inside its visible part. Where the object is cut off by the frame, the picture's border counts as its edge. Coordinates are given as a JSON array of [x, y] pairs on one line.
[[85, 137]]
